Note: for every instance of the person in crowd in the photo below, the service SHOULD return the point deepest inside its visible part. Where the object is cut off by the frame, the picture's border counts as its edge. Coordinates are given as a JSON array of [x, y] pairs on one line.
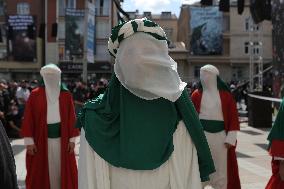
[[4, 101], [100, 87], [79, 95], [8, 177], [276, 150], [143, 132], [14, 120], [22, 95], [12, 88], [49, 134], [219, 117]]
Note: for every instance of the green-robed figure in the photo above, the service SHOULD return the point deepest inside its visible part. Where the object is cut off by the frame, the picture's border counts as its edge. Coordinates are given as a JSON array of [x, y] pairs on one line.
[[143, 132]]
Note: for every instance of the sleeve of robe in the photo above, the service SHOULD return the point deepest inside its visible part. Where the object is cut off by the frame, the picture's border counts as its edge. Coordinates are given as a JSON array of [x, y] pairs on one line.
[[73, 131], [276, 135], [196, 99], [27, 130], [234, 124]]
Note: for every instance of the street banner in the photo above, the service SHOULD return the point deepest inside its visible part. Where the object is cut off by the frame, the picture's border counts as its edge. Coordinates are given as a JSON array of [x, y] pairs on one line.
[[21, 32], [74, 33], [206, 31], [90, 25]]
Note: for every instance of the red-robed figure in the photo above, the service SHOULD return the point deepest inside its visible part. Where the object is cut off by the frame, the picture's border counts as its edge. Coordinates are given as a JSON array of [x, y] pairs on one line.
[[219, 117], [49, 134]]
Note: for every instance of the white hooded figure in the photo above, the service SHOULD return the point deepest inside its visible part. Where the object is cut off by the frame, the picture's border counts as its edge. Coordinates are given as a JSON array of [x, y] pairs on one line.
[[219, 117], [132, 136]]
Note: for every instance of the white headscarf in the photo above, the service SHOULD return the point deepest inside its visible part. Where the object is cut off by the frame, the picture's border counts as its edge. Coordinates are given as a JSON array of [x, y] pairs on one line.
[[208, 77], [211, 107], [51, 75], [144, 67]]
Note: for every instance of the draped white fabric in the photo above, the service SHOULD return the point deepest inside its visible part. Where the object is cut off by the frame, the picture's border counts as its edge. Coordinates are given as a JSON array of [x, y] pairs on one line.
[[54, 162], [211, 108], [181, 171], [51, 75], [218, 180], [144, 67]]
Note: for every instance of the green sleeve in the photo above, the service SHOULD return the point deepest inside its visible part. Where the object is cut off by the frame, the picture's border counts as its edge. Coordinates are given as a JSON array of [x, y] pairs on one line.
[[277, 131]]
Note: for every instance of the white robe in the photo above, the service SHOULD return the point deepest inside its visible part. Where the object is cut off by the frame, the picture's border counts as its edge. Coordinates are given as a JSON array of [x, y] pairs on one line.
[[181, 171]]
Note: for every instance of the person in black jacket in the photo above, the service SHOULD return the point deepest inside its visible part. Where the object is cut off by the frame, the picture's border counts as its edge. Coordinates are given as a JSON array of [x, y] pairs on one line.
[[8, 177]]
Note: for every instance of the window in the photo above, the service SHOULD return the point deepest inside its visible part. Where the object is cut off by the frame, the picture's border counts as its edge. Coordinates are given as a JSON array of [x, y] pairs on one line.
[[71, 4], [246, 47], [255, 27], [147, 15], [256, 47], [102, 29], [238, 72], [102, 7], [23, 8], [101, 52], [226, 23], [249, 24], [166, 15], [197, 71], [61, 7], [61, 30]]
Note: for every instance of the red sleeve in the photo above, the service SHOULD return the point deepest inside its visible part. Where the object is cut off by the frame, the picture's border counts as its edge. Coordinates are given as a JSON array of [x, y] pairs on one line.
[[277, 148], [234, 115], [73, 132], [27, 129], [196, 99]]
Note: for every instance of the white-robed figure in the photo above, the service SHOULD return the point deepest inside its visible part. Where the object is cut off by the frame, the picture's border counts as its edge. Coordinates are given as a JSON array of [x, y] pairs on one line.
[[219, 117], [143, 132]]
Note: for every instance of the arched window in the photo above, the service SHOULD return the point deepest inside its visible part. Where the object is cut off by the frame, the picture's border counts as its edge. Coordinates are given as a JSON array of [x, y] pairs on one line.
[[23, 8]]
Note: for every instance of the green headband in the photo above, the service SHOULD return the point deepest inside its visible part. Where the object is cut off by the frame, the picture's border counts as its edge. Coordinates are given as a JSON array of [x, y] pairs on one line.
[[126, 29]]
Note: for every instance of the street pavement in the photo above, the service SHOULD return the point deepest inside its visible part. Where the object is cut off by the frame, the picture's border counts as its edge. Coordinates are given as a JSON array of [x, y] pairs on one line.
[[253, 159]]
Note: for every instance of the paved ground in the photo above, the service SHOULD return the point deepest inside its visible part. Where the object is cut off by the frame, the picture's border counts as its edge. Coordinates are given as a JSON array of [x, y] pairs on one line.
[[254, 162]]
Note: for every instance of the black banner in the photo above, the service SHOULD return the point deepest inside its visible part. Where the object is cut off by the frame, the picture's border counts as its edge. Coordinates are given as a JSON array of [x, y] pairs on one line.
[[21, 34]]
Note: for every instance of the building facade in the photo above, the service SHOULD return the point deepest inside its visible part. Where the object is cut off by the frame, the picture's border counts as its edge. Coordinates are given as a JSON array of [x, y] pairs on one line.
[[13, 42], [43, 24], [234, 62]]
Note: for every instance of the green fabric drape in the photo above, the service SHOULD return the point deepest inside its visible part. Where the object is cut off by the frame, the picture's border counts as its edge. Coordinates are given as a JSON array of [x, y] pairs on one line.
[[277, 131], [213, 126], [137, 134], [53, 130]]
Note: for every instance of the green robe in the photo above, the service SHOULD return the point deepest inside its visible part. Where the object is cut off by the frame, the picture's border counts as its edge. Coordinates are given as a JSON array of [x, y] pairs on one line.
[[133, 133], [277, 131]]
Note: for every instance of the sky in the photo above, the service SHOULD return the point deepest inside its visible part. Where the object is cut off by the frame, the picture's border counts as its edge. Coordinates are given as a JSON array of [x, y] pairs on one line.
[[155, 6]]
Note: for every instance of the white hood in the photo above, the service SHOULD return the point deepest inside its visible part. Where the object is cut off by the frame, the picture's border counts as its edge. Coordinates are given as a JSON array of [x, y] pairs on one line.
[[51, 75], [211, 107], [144, 67]]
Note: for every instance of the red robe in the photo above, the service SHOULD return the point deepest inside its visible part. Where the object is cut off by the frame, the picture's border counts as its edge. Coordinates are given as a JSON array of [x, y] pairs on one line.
[[276, 150], [231, 120], [35, 125]]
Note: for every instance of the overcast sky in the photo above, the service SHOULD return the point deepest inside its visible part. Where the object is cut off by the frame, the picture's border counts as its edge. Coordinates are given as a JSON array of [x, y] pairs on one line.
[[155, 6]]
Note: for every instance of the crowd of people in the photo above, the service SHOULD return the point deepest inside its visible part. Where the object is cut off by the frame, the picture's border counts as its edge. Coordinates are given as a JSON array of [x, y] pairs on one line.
[[14, 95]]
